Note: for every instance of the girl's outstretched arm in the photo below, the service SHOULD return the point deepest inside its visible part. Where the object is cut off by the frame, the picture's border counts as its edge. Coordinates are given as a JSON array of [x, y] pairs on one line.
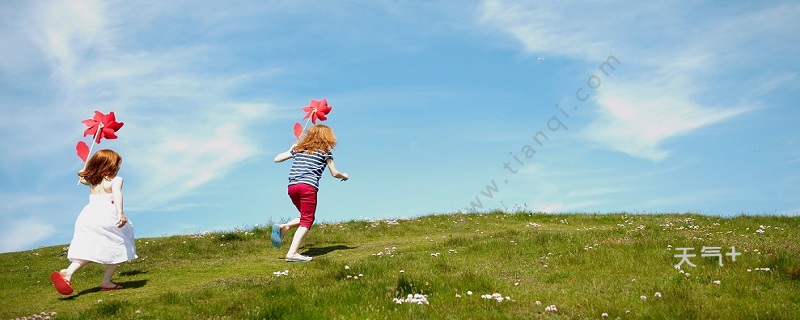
[[116, 193], [335, 173], [284, 155]]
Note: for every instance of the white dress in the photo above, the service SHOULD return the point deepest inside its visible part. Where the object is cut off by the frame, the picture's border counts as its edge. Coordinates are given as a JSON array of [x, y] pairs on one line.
[[97, 237]]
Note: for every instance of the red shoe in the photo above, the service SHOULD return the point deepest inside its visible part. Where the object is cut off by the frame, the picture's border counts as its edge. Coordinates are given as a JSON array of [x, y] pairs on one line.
[[62, 285], [115, 287]]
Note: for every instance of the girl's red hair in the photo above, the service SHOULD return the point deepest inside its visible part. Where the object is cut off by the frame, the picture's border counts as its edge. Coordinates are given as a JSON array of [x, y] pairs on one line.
[[319, 138], [103, 164]]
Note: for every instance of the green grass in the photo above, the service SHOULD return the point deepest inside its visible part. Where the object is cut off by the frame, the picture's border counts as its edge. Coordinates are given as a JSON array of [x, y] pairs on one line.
[[584, 264]]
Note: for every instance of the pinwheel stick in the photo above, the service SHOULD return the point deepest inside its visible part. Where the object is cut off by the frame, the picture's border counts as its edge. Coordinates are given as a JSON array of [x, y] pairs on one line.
[[305, 125]]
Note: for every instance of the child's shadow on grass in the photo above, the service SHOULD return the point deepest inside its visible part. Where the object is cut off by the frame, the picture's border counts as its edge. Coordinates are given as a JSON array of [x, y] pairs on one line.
[[125, 285], [132, 273], [315, 252]]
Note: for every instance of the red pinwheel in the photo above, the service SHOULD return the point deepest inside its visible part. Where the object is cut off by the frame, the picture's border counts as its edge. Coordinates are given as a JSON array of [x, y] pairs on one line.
[[316, 110], [100, 126]]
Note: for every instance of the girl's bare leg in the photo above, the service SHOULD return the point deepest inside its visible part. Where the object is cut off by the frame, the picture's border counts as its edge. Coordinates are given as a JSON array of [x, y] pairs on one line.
[[299, 236], [110, 269], [73, 267]]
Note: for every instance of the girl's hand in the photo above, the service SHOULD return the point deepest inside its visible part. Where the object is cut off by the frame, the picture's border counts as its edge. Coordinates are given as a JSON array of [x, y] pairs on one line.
[[335, 173], [122, 221]]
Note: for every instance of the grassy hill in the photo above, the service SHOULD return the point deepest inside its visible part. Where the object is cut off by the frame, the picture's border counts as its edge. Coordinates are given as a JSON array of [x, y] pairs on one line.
[[467, 266]]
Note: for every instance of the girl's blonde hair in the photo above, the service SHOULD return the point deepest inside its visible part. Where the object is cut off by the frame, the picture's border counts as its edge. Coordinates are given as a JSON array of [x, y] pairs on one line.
[[103, 164], [319, 138]]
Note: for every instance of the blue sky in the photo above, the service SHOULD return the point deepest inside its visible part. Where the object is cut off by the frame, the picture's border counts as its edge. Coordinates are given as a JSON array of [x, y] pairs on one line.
[[438, 106]]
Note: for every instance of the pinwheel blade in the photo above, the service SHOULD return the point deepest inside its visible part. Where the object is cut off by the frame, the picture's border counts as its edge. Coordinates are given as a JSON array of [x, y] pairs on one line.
[[298, 130], [83, 150]]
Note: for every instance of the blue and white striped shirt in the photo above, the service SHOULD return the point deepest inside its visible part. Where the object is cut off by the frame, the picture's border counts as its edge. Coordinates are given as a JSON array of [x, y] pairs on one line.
[[308, 168]]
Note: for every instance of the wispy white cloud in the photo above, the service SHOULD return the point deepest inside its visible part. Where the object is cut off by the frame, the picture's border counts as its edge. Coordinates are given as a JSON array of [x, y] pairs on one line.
[[70, 31], [23, 234], [636, 119], [179, 158], [11, 203], [773, 82], [185, 125], [668, 69], [22, 227]]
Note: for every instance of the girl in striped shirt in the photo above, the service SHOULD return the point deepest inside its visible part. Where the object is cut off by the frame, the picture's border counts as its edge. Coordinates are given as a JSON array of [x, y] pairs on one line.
[[311, 156]]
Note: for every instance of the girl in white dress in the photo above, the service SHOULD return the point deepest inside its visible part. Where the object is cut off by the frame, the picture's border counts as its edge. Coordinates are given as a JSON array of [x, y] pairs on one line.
[[102, 232]]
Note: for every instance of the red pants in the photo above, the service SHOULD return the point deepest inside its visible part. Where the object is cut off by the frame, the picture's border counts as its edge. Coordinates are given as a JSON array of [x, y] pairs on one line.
[[304, 197]]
